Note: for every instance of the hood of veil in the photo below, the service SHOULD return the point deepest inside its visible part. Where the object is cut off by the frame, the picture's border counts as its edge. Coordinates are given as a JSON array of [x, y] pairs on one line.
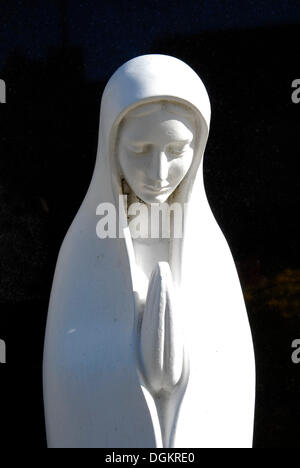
[[147, 79]]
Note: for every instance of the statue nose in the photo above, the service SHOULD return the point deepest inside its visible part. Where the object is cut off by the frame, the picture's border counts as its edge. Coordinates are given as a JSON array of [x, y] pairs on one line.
[[159, 166]]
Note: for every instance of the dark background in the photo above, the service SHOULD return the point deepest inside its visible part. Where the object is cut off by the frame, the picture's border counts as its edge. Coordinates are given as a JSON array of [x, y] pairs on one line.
[[56, 57]]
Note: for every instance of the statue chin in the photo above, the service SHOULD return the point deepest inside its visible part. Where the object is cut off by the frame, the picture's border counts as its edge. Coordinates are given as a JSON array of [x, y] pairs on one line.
[[149, 195], [155, 198]]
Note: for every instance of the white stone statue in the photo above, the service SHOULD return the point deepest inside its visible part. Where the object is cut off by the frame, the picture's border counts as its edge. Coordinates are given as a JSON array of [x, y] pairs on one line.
[[148, 342]]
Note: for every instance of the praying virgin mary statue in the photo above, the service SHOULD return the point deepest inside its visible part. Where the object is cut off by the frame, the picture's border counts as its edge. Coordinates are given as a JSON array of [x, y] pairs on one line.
[[148, 342]]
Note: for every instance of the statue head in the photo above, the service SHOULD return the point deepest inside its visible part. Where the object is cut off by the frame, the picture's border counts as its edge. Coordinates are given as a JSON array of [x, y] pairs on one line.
[[155, 148]]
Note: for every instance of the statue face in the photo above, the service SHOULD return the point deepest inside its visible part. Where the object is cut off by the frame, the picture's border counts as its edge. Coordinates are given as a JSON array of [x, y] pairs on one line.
[[155, 149]]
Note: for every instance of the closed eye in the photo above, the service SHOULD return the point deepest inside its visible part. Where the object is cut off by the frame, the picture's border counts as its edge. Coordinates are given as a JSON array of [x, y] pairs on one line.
[[178, 149], [139, 148]]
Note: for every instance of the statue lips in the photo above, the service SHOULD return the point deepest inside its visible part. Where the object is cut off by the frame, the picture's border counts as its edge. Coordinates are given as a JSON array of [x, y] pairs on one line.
[[156, 189]]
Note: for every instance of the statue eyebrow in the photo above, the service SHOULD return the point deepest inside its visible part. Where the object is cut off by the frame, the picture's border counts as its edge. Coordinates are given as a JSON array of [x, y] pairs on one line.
[[138, 142], [174, 142], [182, 142]]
